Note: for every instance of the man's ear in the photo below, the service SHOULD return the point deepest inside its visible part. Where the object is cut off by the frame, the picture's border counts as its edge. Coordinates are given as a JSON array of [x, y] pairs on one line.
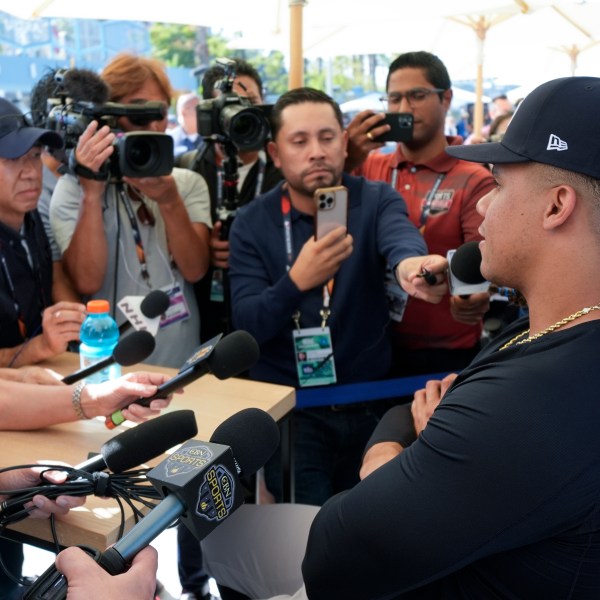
[[562, 201], [274, 153]]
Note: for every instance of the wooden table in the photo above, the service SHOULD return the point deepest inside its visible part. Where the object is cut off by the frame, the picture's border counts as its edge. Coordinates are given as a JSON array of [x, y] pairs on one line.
[[97, 523]]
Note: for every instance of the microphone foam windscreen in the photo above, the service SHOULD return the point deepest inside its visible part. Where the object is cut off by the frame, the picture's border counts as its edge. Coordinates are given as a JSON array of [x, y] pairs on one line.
[[233, 354], [134, 348], [83, 85], [466, 263], [155, 304], [148, 440], [252, 435]]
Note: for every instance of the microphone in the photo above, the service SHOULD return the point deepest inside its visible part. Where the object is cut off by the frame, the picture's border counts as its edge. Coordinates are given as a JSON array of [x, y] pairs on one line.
[[464, 273], [224, 358], [142, 442], [151, 307], [131, 350], [201, 484]]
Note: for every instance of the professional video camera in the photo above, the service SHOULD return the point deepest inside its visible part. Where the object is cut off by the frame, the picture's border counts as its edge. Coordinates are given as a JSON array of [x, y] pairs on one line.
[[136, 154], [232, 117]]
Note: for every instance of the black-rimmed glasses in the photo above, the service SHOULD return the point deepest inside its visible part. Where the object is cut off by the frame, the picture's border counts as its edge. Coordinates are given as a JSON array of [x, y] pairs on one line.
[[414, 97]]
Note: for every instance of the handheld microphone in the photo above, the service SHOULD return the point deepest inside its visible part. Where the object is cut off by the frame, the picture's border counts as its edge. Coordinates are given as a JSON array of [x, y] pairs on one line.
[[224, 358], [142, 442], [131, 350], [201, 484], [152, 306], [121, 453], [464, 274]]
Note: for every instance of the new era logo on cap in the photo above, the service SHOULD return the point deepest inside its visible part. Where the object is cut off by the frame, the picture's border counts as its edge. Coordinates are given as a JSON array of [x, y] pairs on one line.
[[555, 143], [557, 124]]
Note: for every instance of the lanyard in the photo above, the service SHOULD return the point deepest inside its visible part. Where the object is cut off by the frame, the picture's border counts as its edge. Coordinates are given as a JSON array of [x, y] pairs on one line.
[[137, 236], [286, 214], [260, 177], [428, 198], [13, 292]]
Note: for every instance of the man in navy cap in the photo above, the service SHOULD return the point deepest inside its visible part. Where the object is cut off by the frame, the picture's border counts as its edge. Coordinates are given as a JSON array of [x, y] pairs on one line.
[[32, 328], [498, 496]]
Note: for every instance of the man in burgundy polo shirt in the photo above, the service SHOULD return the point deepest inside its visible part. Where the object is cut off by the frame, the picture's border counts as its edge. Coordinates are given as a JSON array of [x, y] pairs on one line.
[[441, 193]]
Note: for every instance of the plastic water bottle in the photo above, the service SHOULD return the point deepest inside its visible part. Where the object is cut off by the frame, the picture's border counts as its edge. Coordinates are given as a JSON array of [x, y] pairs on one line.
[[99, 335]]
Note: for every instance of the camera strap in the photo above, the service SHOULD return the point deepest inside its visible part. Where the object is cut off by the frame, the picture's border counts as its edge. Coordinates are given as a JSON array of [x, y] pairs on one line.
[[102, 175]]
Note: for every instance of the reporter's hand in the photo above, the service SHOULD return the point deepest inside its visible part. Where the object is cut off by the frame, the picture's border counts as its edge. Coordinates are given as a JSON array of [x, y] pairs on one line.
[[359, 143], [377, 455], [219, 249], [61, 324], [409, 273], [30, 477], [102, 399], [89, 581], [320, 260], [427, 400], [469, 310]]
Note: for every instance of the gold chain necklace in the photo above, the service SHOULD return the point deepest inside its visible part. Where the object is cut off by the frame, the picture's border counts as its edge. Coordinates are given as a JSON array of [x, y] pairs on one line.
[[557, 325]]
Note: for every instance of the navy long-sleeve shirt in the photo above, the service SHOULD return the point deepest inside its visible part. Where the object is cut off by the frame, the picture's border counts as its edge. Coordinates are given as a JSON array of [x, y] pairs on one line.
[[264, 297]]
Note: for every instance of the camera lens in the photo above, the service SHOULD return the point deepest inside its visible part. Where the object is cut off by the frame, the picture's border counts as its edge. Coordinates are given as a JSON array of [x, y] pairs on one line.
[[141, 153], [246, 127]]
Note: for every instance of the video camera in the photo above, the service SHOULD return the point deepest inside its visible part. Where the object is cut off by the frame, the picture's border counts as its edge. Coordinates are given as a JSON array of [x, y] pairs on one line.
[[231, 116], [136, 154]]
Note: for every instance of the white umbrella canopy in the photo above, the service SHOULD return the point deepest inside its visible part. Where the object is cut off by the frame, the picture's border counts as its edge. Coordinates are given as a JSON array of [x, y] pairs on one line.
[[516, 40]]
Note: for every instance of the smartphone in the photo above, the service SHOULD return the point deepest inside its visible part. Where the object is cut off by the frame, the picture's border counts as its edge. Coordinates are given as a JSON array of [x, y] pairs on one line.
[[332, 209], [401, 128]]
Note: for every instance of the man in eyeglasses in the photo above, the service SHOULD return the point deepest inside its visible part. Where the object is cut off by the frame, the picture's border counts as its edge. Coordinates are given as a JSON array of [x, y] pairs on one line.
[[126, 239], [441, 193]]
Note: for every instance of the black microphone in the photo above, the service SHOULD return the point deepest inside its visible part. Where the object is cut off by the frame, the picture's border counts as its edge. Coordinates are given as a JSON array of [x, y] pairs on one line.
[[466, 263], [132, 349], [152, 306], [201, 484], [224, 358], [142, 442], [464, 272]]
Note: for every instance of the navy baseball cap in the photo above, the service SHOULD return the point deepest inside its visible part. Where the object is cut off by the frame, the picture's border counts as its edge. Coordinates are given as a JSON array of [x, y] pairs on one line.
[[557, 124], [17, 135]]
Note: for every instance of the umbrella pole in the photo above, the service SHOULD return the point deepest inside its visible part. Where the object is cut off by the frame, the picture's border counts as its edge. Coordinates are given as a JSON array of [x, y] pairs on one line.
[[296, 58]]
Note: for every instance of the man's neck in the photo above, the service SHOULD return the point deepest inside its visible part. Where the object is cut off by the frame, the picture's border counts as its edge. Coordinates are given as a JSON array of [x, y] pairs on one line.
[[13, 220], [425, 153], [301, 202]]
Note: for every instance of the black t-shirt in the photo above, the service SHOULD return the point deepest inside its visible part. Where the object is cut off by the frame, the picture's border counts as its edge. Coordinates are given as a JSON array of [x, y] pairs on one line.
[[499, 497], [25, 287]]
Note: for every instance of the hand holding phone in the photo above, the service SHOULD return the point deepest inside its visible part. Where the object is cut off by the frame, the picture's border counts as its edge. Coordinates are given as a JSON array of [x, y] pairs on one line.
[[401, 125]]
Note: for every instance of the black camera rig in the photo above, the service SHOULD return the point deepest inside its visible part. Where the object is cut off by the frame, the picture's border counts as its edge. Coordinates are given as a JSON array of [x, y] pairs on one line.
[[136, 154]]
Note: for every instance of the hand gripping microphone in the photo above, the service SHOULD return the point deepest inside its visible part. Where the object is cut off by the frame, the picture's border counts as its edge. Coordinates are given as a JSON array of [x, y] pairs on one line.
[[132, 349], [224, 358], [151, 307], [121, 453], [200, 483]]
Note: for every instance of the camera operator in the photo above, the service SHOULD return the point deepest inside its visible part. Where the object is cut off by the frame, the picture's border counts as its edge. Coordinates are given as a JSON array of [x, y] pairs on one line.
[[133, 235], [76, 84], [256, 174]]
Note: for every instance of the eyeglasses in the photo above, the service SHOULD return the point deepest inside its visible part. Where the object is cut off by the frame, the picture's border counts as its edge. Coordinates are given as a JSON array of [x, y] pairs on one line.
[[414, 97]]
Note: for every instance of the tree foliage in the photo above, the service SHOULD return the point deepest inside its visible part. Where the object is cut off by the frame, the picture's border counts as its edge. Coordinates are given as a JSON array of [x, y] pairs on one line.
[[175, 45]]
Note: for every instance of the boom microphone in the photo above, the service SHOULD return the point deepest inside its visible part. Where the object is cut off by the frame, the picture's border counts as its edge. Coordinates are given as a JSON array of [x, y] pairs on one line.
[[131, 350], [224, 358], [201, 486], [143, 442], [152, 306]]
